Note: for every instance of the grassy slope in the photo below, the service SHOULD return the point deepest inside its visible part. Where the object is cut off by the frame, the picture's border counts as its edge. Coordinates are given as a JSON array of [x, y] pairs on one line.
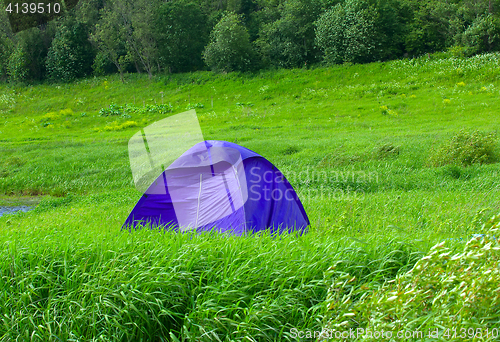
[[326, 122]]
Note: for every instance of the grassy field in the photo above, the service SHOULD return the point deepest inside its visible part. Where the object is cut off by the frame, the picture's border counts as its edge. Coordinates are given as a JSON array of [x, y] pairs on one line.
[[359, 143]]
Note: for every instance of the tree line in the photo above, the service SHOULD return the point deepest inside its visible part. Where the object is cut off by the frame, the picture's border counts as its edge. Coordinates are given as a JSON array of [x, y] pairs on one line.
[[100, 37]]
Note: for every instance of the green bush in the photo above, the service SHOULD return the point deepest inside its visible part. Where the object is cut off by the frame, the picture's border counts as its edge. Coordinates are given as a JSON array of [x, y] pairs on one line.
[[466, 148], [442, 290], [346, 33], [229, 48]]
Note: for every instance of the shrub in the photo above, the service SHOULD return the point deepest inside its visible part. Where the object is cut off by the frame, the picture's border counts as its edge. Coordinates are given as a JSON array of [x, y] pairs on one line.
[[466, 148], [441, 290]]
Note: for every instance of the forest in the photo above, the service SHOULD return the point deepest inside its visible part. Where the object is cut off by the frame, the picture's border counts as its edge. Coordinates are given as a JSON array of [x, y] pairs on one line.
[[99, 37]]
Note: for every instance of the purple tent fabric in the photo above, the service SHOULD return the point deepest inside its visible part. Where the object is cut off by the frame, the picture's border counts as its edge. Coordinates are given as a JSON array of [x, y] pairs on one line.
[[218, 185]]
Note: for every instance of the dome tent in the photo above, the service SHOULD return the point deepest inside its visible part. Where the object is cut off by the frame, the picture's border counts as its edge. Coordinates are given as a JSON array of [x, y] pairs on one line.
[[223, 186]]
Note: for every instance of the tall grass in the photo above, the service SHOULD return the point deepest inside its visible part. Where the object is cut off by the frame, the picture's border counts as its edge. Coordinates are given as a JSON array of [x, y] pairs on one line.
[[77, 284], [68, 273]]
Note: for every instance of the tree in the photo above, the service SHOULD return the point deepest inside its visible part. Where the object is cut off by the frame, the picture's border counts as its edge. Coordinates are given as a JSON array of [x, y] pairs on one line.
[[347, 33], [482, 36], [5, 51], [362, 31], [26, 62], [432, 27], [289, 41], [71, 54], [136, 19], [109, 37], [182, 33], [229, 48]]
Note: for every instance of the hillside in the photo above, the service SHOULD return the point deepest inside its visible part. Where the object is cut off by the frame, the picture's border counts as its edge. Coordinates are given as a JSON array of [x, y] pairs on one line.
[[362, 144]]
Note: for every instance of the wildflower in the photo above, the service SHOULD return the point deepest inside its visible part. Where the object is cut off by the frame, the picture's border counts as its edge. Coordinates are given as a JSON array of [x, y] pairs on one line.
[[392, 113], [483, 88], [461, 84], [403, 96], [383, 108], [413, 96], [446, 101]]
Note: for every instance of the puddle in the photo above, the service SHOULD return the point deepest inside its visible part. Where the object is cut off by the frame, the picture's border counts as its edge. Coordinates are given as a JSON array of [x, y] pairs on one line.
[[12, 210]]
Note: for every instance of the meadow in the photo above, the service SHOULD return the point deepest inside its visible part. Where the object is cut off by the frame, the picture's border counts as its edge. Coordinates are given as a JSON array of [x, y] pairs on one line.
[[369, 148]]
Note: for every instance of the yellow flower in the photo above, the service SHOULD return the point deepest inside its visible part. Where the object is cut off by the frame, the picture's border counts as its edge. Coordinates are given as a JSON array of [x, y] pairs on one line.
[[383, 108], [483, 88], [446, 101], [392, 113], [461, 84], [413, 96], [403, 95]]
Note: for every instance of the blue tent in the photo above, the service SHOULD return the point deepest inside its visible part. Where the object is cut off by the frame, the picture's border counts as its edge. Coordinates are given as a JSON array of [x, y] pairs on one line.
[[222, 186]]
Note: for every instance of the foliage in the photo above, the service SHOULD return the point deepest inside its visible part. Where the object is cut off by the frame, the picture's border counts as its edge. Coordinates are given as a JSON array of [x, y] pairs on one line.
[[26, 63], [443, 290], [71, 55], [482, 36], [138, 20], [5, 51], [346, 33], [182, 31], [360, 31], [174, 36], [289, 41], [127, 109], [17, 66], [431, 27], [229, 48], [109, 38], [467, 148]]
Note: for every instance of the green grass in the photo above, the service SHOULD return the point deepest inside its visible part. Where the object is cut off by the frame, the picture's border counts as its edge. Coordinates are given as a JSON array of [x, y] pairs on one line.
[[355, 141]]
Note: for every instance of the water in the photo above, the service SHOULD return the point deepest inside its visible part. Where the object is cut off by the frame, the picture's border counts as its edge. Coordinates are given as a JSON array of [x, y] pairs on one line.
[[12, 210]]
